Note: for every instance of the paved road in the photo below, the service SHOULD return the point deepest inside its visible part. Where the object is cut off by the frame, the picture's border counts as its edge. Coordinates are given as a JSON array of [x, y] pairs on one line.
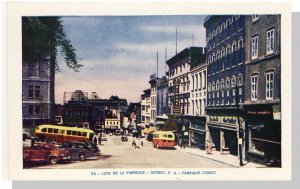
[[118, 154]]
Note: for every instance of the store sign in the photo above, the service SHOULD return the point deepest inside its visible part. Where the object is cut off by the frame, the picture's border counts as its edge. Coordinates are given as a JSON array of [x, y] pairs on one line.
[[259, 112]]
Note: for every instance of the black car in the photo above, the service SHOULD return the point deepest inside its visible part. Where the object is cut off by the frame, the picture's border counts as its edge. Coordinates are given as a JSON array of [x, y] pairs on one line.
[[93, 146], [124, 138], [79, 150]]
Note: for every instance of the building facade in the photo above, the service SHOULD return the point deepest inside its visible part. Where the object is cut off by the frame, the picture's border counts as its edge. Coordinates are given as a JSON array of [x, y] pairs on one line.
[[112, 125], [197, 115], [145, 108], [37, 92], [179, 69], [153, 97], [162, 97], [225, 39], [262, 99]]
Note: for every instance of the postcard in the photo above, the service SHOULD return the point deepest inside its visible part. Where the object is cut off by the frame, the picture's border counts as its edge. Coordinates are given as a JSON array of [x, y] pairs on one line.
[[148, 91]]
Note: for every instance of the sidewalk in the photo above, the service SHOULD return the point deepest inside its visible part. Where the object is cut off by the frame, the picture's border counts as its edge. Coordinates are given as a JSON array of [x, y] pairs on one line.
[[222, 158]]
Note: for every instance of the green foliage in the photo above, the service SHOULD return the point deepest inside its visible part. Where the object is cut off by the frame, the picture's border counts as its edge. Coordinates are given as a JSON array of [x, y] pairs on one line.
[[42, 36]]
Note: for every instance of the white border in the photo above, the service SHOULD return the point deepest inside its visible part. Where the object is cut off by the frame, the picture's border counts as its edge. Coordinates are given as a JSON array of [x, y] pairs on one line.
[[16, 10]]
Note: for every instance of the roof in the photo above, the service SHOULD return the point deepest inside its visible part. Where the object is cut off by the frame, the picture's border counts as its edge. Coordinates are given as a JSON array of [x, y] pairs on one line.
[[193, 53], [148, 130]]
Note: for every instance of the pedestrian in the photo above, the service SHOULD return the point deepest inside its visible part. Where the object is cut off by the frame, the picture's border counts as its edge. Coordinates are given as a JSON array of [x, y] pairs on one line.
[[208, 147], [138, 144], [180, 143], [183, 143], [133, 142], [95, 140]]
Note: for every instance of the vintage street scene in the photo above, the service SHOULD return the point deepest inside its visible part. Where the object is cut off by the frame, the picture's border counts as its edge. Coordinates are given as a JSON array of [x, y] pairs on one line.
[[190, 91]]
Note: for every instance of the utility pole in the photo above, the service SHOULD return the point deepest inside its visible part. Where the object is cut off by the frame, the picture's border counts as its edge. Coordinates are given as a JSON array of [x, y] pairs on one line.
[[165, 60], [176, 40], [240, 132], [157, 64]]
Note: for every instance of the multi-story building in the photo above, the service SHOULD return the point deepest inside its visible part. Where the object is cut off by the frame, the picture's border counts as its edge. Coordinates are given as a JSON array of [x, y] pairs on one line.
[[179, 68], [225, 40], [146, 108], [112, 125], [153, 97], [37, 92], [197, 115], [79, 110], [162, 98], [262, 99]]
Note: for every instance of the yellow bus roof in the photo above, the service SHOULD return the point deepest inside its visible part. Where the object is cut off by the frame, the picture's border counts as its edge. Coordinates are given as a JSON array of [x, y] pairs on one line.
[[65, 127]]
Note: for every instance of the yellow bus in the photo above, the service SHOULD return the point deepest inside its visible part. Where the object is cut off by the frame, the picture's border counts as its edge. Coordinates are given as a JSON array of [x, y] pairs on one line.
[[163, 139], [60, 134]]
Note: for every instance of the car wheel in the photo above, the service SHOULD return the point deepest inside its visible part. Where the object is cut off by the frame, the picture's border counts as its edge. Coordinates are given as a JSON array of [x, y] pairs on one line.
[[51, 140], [82, 156], [53, 160]]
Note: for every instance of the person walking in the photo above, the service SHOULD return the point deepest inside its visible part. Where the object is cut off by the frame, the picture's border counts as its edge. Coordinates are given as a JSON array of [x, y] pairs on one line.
[[95, 140], [138, 144], [133, 142]]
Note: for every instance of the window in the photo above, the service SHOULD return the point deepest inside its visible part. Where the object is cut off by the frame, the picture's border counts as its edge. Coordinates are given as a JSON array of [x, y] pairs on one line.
[[74, 133], [209, 87], [34, 91], [44, 130], [269, 85], [270, 41], [55, 130], [255, 17], [227, 83], [222, 84], [254, 50], [34, 69], [69, 132], [233, 81], [254, 80], [34, 109], [50, 130], [240, 80], [213, 86], [217, 85]]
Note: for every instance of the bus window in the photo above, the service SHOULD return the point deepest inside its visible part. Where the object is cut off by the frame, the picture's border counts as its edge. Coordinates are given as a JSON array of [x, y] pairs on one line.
[[165, 136], [74, 133], [170, 136], [44, 130], [69, 132], [79, 133], [55, 130], [84, 134], [50, 130]]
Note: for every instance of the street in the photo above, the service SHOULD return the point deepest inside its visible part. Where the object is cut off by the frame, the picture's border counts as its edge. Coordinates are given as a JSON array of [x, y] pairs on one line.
[[118, 154]]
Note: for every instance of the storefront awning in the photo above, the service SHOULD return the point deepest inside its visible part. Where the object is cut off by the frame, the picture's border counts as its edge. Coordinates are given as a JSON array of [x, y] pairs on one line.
[[148, 130]]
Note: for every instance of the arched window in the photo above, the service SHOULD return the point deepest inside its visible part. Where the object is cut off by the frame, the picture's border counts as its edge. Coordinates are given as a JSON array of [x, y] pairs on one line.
[[223, 52], [233, 81], [213, 86], [213, 57], [222, 84], [228, 49], [240, 80], [234, 46], [218, 54], [240, 43], [217, 85], [209, 87], [227, 82]]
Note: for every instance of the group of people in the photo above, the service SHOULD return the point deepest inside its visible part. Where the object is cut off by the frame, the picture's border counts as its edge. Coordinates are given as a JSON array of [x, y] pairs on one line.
[[182, 143], [137, 142]]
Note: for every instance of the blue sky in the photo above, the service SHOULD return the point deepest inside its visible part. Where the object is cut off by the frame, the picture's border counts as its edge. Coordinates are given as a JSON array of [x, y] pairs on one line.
[[119, 52]]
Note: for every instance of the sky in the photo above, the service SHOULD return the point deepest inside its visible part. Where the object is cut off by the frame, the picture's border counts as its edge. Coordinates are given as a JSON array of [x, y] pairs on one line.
[[119, 53]]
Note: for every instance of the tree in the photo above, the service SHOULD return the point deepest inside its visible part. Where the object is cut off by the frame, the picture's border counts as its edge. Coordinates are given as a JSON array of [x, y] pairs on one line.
[[42, 36]]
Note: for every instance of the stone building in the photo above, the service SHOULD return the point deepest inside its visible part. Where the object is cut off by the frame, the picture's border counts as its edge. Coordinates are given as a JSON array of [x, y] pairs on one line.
[[145, 108], [262, 81], [37, 92], [225, 38]]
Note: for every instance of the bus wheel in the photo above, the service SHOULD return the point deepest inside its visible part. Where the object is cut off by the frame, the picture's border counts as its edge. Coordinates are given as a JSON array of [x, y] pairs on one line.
[[82, 156], [51, 140], [53, 160]]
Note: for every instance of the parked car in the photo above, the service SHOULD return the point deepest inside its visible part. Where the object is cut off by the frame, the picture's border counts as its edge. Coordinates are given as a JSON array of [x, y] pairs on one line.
[[93, 146], [124, 138], [78, 150], [45, 152], [26, 134], [103, 138]]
